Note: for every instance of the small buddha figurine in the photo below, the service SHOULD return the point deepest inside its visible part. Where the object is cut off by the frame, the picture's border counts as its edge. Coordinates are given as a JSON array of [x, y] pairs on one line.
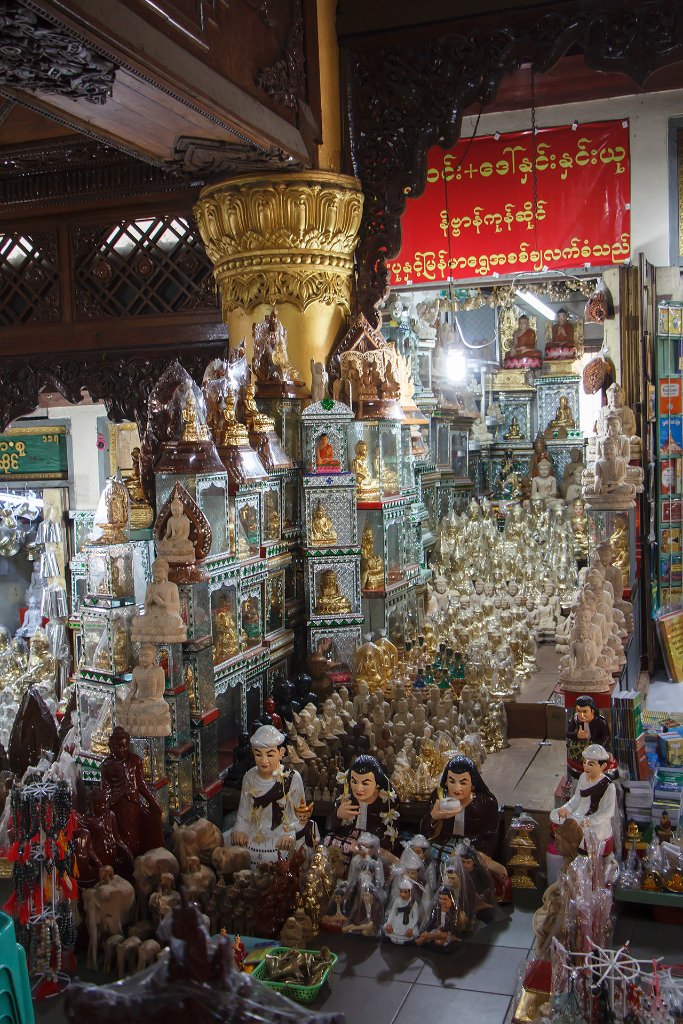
[[225, 639], [561, 345], [141, 514], [272, 516], [161, 622], [112, 515], [42, 666], [609, 487], [322, 529], [479, 430], [175, 545], [523, 353], [144, 711], [571, 477], [514, 433], [563, 420], [616, 404], [507, 484], [371, 565], [194, 429], [249, 524], [325, 458], [271, 359], [330, 600], [544, 485], [251, 621], [367, 487]]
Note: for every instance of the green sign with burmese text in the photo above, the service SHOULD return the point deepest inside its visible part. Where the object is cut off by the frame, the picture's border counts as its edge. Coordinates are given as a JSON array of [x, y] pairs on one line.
[[33, 453]]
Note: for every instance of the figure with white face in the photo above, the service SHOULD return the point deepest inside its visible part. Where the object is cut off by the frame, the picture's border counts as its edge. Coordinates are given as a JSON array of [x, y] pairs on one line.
[[266, 817], [367, 804], [594, 802]]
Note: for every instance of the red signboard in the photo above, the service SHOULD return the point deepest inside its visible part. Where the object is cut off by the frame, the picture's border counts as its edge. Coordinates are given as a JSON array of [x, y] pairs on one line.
[[478, 215]]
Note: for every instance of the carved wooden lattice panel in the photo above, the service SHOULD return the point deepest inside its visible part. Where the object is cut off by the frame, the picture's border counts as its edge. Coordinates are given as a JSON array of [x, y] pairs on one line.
[[29, 278], [144, 267]]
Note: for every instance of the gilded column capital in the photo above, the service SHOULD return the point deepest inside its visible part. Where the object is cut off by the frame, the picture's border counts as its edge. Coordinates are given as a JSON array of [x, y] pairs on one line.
[[286, 238]]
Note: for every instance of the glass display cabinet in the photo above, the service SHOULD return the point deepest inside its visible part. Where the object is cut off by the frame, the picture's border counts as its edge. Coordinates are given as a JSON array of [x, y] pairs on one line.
[[251, 613], [376, 456], [109, 575], [271, 523], [330, 511], [332, 586], [248, 523], [227, 641], [324, 437]]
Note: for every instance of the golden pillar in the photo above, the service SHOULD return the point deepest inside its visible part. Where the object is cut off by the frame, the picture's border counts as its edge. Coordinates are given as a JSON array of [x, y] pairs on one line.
[[284, 240]]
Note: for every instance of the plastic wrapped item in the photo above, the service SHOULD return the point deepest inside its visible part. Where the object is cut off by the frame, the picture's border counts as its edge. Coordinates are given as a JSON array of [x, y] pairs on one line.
[[366, 916], [447, 921], [402, 921], [522, 843]]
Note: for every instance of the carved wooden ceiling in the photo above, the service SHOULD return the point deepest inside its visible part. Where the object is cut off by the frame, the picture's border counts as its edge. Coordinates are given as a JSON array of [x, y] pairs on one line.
[[193, 88]]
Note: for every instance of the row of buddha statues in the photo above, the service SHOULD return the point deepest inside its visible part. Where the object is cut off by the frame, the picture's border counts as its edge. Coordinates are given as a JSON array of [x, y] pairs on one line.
[[414, 731], [609, 481], [594, 635], [540, 482], [558, 427]]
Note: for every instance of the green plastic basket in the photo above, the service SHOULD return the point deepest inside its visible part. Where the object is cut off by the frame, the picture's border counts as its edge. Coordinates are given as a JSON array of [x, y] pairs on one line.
[[300, 993]]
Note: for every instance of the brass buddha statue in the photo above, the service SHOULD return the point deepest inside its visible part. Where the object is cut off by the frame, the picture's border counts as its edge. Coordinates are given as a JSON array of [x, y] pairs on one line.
[[141, 514], [514, 433], [330, 601], [322, 529], [367, 486], [111, 517], [563, 421], [371, 565], [225, 639]]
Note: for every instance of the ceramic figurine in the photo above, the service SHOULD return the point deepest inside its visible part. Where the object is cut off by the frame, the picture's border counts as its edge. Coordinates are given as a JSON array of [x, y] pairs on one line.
[[308, 834], [319, 381], [364, 864], [462, 805], [139, 823], [161, 621], [403, 915], [367, 804], [523, 353], [367, 913], [594, 802], [144, 711], [266, 816], [586, 726], [480, 432], [443, 928]]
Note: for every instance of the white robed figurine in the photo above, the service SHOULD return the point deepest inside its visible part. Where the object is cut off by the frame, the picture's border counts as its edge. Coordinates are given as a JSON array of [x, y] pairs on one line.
[[266, 816], [403, 916], [595, 799]]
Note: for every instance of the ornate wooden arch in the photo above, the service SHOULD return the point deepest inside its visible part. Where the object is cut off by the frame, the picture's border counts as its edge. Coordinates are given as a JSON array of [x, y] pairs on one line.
[[410, 94]]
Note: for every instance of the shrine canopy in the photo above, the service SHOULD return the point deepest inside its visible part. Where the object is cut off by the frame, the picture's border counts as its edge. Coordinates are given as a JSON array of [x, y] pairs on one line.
[[484, 211]]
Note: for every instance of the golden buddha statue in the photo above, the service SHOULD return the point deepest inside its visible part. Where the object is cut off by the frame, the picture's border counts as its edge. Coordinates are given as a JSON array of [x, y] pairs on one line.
[[250, 407], [121, 650], [322, 528], [580, 529], [371, 565], [330, 600], [232, 433], [370, 667], [514, 433], [225, 639], [193, 427], [141, 514], [619, 542], [272, 516], [190, 690], [367, 486], [563, 420], [42, 665], [111, 517], [104, 726], [390, 656], [390, 481]]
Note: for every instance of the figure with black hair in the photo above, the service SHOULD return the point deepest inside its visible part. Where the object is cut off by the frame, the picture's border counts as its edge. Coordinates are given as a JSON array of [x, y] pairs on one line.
[[462, 805], [367, 804], [586, 726]]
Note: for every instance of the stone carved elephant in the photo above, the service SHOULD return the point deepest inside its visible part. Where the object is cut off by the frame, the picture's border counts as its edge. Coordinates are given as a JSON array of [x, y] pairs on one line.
[[108, 907]]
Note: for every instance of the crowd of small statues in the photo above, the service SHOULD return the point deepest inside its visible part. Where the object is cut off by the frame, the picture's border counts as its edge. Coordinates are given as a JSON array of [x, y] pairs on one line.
[[413, 731]]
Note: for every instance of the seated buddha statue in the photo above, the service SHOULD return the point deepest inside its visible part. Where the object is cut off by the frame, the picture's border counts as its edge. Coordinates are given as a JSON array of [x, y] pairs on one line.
[[514, 433], [325, 459], [561, 345], [370, 666], [523, 353], [371, 565], [563, 420], [367, 486], [330, 600], [42, 666], [251, 621], [175, 544], [322, 528], [225, 640]]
